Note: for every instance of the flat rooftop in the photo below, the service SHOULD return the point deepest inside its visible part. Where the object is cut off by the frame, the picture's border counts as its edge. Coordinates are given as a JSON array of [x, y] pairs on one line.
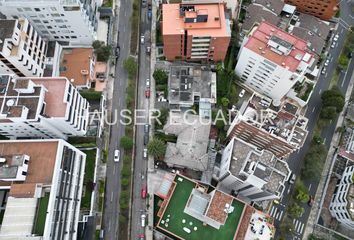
[[260, 38], [6, 30], [189, 83], [40, 166], [246, 160], [197, 19], [175, 222]]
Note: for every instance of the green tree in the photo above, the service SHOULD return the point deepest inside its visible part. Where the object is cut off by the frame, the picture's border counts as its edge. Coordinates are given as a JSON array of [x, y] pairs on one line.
[[157, 148], [130, 66], [102, 51], [329, 113], [295, 211], [126, 143], [225, 101], [343, 60], [160, 76]]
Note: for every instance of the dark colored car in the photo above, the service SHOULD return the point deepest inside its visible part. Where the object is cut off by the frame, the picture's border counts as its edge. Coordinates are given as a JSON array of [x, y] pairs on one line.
[[117, 52], [146, 139], [146, 128]]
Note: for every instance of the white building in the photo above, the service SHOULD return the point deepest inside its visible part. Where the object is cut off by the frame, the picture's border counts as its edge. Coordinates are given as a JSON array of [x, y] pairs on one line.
[[342, 204], [22, 50], [271, 61], [74, 21], [253, 174], [41, 108], [41, 189]]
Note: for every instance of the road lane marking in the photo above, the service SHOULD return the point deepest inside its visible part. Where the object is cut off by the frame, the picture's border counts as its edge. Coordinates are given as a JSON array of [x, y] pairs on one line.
[[345, 75], [271, 211], [324, 140], [302, 228], [296, 224], [319, 92], [114, 169], [310, 186], [314, 108], [276, 216], [326, 74], [125, 13], [111, 196], [109, 225], [281, 214], [299, 227]]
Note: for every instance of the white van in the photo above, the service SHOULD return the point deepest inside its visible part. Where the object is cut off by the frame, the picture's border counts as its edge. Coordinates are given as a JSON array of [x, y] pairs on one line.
[[143, 220]]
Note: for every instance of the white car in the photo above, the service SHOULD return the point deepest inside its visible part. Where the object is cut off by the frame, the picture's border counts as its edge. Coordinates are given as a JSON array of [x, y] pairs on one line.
[[324, 70], [242, 93], [333, 45], [336, 37], [326, 62], [143, 220], [116, 155], [142, 39], [145, 153], [148, 82]]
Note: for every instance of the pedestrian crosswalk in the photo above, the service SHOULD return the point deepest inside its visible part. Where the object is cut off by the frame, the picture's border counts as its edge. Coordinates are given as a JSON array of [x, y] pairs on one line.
[[276, 213], [298, 226]]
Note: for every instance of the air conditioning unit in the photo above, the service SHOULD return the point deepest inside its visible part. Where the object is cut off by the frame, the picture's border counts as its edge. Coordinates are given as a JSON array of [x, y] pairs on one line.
[[84, 72]]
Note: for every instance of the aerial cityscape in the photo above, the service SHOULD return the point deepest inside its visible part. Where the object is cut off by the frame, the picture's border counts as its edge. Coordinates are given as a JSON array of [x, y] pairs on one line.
[[176, 120]]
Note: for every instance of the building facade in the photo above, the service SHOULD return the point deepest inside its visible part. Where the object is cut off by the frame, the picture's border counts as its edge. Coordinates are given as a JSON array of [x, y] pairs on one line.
[[41, 108], [40, 194], [342, 204], [271, 61], [22, 49], [251, 173], [74, 21], [324, 9], [195, 31]]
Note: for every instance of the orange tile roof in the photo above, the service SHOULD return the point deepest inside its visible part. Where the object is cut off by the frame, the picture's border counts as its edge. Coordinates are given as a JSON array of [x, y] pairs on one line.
[[75, 60], [217, 206], [40, 167], [173, 23], [258, 40]]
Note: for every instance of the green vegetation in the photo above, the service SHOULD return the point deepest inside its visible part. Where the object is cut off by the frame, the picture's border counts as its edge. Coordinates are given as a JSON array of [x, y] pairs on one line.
[[303, 90], [130, 66], [88, 178], [91, 95], [230, 59], [314, 160], [157, 148], [226, 87], [102, 51], [41, 215], [301, 192], [166, 137], [107, 3], [332, 104], [134, 26], [164, 112], [175, 211], [80, 140], [161, 78], [126, 143]]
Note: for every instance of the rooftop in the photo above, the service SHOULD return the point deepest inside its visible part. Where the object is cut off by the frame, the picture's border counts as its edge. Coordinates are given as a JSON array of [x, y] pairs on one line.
[[191, 149], [190, 83], [278, 46], [247, 161], [260, 227], [257, 14], [75, 65], [198, 19], [275, 6], [6, 30], [174, 220]]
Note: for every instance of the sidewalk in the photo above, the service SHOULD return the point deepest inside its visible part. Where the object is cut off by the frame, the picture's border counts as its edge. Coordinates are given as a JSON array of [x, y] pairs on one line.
[[316, 208]]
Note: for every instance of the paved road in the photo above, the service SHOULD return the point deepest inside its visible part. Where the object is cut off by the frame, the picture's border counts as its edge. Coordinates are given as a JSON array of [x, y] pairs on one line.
[[295, 160], [140, 167], [111, 209]]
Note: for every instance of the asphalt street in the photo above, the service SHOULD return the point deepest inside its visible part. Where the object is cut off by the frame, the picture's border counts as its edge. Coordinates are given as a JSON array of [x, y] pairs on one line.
[[314, 107], [111, 208], [140, 164]]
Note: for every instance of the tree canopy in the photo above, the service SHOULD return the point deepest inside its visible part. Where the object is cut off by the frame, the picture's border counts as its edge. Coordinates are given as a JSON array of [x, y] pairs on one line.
[[157, 148]]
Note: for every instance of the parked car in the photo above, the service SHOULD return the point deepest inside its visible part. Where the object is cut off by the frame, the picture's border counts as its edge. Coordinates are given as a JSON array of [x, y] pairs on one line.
[[143, 3], [292, 178], [146, 128], [324, 70], [311, 201], [116, 155], [326, 62], [117, 52], [143, 220], [147, 92], [149, 13], [142, 236], [145, 153], [336, 37], [242, 93], [148, 50], [142, 39], [143, 192], [147, 82], [350, 55], [333, 45], [146, 139]]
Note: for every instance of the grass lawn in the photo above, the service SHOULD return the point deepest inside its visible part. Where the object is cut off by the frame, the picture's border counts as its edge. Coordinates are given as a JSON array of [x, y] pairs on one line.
[[88, 178], [176, 207], [41, 215]]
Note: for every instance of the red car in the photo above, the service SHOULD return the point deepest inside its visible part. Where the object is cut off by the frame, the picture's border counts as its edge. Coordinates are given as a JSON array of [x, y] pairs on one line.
[[143, 192], [147, 92], [141, 236]]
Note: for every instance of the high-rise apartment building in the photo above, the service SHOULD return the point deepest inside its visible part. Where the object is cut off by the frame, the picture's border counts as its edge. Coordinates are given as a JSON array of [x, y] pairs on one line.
[[195, 31], [342, 204], [74, 21], [254, 174], [41, 188], [41, 108], [271, 61], [324, 9], [22, 49]]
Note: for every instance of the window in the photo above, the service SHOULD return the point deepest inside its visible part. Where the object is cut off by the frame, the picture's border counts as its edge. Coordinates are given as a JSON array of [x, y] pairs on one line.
[[19, 9], [37, 9], [58, 20], [36, 21], [55, 15], [45, 21], [27, 9], [53, 8]]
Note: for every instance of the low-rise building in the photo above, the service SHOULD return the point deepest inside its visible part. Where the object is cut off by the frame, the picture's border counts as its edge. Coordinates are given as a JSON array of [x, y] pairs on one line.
[[41, 184], [22, 49], [41, 108], [271, 61], [251, 173], [78, 65], [186, 209], [191, 84], [280, 130], [342, 204], [195, 32]]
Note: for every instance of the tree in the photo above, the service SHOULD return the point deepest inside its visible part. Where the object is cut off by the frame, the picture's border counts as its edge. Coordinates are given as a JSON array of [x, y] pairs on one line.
[[332, 103], [102, 51], [130, 66], [126, 143], [225, 101], [160, 76], [329, 113], [295, 211], [343, 60], [157, 148]]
